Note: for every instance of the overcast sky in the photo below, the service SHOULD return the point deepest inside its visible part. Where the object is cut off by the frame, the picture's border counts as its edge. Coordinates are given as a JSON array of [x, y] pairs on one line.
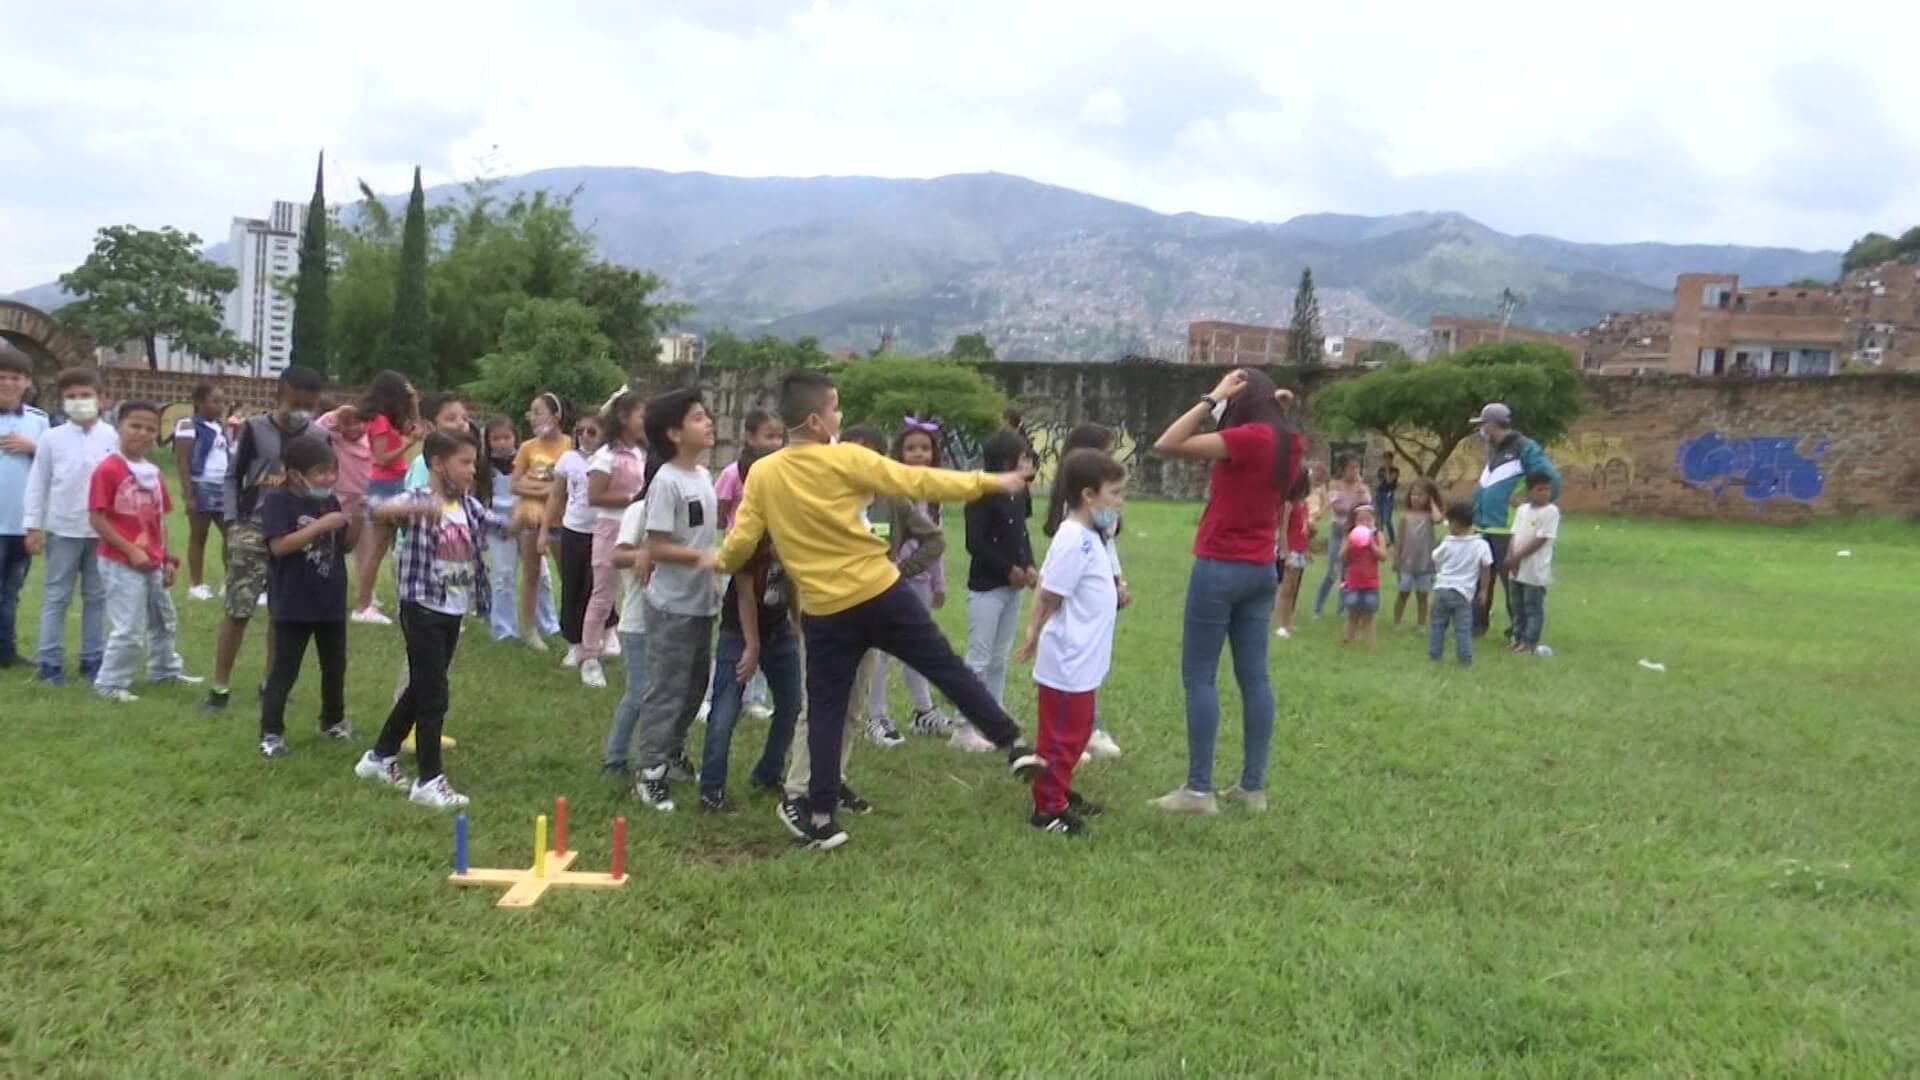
[[1607, 122]]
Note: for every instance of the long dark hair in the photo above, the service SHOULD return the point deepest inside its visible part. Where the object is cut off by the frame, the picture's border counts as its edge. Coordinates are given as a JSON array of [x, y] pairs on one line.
[[387, 396], [1082, 437], [1002, 451], [900, 438], [1255, 404]]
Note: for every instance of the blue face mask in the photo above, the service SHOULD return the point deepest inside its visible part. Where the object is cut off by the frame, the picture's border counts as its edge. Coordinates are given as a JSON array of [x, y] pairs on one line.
[[314, 491], [1105, 518]]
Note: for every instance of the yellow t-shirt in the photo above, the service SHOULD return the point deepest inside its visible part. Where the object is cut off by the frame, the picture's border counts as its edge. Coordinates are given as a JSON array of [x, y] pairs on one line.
[[534, 461], [809, 496]]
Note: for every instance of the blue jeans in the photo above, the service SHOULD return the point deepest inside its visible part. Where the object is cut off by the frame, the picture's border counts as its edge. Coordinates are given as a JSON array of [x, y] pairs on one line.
[[1449, 607], [1336, 570], [503, 567], [14, 562], [68, 559], [1227, 602], [626, 715], [1529, 613], [780, 661], [1383, 509]]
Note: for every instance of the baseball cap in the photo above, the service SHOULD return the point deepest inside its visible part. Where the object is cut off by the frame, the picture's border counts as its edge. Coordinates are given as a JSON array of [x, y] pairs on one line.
[[1494, 413]]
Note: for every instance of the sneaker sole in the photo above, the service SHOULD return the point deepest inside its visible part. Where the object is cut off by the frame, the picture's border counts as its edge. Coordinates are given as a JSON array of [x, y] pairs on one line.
[[1027, 767], [796, 831], [831, 842]]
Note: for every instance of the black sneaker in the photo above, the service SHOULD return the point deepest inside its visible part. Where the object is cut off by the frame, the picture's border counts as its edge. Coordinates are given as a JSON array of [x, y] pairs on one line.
[[651, 789], [216, 701], [1024, 762], [680, 771], [1083, 806], [823, 837], [1064, 822], [273, 746], [341, 730], [793, 816], [851, 802], [715, 801]]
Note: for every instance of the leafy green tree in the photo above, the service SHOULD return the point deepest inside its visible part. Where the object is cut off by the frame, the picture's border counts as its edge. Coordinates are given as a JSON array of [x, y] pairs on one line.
[[1382, 352], [366, 251], [633, 321], [147, 284], [1423, 409], [1809, 283], [883, 390], [310, 320], [727, 349], [1870, 250], [410, 334], [547, 346], [972, 347], [1305, 342]]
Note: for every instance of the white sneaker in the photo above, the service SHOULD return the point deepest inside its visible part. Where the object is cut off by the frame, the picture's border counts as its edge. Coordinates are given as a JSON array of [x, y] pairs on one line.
[[1183, 800], [760, 712], [262, 602], [1101, 744], [118, 697], [436, 793], [1282, 632], [965, 737], [1255, 801], [370, 616], [534, 642], [372, 766], [591, 675], [610, 646], [200, 592], [182, 679], [572, 659], [882, 733], [701, 716]]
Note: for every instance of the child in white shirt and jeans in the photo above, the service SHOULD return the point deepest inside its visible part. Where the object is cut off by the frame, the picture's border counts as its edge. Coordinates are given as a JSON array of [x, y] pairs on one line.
[[1462, 576], [1530, 561], [1071, 630]]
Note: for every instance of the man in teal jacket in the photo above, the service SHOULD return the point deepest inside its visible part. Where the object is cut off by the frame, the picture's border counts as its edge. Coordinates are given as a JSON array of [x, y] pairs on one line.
[[1510, 457]]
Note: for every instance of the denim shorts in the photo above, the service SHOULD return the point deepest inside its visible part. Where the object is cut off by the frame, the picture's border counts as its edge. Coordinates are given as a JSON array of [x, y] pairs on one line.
[[378, 490], [1360, 599], [1417, 582], [209, 497]]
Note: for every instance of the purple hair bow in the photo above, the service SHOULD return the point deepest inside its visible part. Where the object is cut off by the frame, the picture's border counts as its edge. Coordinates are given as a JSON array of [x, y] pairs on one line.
[[914, 423]]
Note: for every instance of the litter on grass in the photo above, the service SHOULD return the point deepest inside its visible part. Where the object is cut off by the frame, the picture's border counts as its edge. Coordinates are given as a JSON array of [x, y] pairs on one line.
[[1653, 665], [1843, 554]]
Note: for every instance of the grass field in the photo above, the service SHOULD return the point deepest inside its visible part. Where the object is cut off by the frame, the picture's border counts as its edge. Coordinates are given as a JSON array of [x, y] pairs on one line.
[[1538, 867]]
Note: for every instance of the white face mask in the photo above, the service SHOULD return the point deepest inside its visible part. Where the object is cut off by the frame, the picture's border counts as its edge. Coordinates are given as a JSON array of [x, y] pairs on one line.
[[1219, 410], [84, 410]]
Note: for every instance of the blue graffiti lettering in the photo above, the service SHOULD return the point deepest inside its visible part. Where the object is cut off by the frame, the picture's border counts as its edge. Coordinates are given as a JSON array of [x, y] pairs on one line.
[[1764, 466]]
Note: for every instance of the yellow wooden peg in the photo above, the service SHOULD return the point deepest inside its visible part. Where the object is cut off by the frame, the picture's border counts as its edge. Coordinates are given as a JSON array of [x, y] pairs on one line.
[[540, 845]]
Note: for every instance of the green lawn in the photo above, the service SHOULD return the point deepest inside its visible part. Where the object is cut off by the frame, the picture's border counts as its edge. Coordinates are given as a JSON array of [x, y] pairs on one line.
[[1538, 867]]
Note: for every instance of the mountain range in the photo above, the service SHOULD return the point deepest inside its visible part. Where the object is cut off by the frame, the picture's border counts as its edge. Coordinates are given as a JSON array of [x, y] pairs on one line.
[[1051, 273]]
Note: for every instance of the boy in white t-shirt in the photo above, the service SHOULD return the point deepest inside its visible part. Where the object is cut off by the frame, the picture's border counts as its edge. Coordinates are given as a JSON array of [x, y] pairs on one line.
[[1530, 561], [636, 566], [1071, 630], [1462, 576]]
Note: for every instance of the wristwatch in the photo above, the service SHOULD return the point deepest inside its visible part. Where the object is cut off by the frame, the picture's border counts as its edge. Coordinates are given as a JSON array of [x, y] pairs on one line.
[[1208, 400]]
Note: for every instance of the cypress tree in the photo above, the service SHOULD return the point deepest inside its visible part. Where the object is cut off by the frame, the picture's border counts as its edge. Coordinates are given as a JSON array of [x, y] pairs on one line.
[[410, 335], [1305, 342], [310, 290]]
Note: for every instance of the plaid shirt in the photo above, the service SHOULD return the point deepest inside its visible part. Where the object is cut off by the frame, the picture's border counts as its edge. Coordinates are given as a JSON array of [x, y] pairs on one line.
[[413, 565]]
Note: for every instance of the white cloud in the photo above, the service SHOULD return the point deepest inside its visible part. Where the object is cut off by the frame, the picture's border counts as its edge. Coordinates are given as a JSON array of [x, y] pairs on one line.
[[1105, 107], [1641, 120]]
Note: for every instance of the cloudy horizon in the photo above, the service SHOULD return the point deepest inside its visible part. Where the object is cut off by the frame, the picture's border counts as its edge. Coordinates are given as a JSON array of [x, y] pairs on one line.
[[1627, 125]]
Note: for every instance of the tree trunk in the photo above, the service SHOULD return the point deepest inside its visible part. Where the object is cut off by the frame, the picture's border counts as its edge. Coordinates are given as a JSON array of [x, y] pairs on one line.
[[1447, 447], [153, 353]]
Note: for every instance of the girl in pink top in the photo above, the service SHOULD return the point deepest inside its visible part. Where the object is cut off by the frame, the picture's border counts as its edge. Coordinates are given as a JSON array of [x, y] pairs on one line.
[[348, 433]]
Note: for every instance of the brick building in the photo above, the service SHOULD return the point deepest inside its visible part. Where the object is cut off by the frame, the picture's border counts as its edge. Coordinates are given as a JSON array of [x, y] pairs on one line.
[[1628, 343], [1720, 328], [1244, 345], [1452, 333], [1882, 305]]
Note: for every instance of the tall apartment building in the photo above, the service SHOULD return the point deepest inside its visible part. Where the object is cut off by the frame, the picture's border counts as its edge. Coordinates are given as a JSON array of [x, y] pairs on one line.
[[258, 313]]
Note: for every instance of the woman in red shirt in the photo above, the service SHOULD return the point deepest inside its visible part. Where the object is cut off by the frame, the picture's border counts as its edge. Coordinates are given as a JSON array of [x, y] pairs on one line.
[[1254, 454]]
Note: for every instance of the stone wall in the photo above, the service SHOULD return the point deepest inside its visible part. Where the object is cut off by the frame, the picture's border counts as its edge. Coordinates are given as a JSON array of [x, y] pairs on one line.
[[1765, 449], [165, 388]]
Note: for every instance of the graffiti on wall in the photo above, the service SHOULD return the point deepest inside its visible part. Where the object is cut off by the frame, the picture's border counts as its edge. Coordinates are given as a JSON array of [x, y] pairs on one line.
[[1761, 466]]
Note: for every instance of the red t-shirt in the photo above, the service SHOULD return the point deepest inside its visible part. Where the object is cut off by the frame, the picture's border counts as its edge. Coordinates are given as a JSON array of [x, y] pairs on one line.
[[134, 510], [382, 436], [1297, 525], [1363, 565], [1242, 518]]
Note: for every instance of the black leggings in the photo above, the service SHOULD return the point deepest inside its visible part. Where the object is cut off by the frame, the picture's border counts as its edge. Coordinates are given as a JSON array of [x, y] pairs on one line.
[[431, 639], [576, 582], [289, 653]]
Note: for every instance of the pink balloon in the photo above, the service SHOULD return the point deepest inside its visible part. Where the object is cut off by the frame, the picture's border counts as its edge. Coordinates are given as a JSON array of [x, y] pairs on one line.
[[1361, 536]]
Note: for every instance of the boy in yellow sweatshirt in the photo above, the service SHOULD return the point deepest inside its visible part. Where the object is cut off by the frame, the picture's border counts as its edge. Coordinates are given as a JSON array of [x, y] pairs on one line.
[[812, 497]]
